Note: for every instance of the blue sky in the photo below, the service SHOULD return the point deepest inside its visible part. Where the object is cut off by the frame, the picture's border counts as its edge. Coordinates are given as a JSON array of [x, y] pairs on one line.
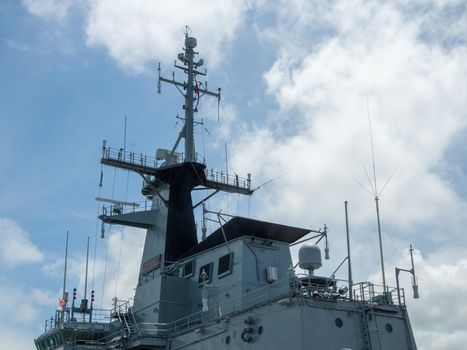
[[295, 78]]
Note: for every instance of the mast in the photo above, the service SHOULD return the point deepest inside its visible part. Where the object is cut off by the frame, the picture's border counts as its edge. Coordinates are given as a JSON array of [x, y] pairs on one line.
[[64, 296], [86, 277], [193, 90], [190, 44], [349, 260], [171, 183], [380, 242], [375, 189]]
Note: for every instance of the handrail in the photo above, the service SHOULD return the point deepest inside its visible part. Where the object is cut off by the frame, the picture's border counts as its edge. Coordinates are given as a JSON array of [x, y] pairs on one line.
[[294, 285], [117, 209]]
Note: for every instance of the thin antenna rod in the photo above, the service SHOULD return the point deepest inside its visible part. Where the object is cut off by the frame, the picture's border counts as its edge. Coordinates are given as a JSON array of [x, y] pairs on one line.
[[226, 173], [380, 242], [86, 277], [376, 199], [372, 148], [349, 261], [226, 159], [64, 273], [124, 135]]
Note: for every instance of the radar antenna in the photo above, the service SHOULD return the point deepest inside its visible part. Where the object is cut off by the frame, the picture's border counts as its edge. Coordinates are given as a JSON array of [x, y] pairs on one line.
[[414, 278]]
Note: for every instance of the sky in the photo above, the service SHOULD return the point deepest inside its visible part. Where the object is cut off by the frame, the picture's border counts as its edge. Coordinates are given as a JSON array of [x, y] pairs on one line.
[[300, 79]]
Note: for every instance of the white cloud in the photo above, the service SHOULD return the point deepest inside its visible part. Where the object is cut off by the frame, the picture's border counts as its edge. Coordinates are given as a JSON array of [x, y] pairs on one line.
[[438, 316], [140, 32], [22, 305], [115, 273], [122, 265], [18, 339], [16, 247], [410, 65], [320, 134], [48, 9]]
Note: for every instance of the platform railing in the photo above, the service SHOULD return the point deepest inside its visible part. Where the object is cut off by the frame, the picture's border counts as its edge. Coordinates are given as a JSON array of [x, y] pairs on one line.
[[221, 177], [364, 292], [118, 209], [60, 318], [129, 157], [141, 159]]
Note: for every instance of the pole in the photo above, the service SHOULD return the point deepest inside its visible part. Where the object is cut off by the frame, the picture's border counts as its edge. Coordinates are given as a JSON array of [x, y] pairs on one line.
[[413, 266], [189, 132], [86, 277], [349, 261], [64, 275], [397, 285], [414, 279], [380, 243]]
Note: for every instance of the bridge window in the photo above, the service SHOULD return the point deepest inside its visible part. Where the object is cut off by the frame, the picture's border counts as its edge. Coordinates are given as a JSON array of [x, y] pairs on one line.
[[205, 273], [189, 269], [225, 265]]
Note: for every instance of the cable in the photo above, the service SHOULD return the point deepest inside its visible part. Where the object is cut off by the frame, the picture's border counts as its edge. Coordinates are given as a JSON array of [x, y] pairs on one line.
[[108, 243], [95, 241], [121, 239]]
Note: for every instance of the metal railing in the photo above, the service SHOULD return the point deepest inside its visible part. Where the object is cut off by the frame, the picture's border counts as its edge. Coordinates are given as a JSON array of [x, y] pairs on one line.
[[293, 286], [374, 293], [222, 177], [117, 209], [62, 317], [131, 157]]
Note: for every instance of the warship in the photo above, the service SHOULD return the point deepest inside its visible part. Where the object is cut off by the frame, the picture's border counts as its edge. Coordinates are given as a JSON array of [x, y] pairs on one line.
[[235, 288]]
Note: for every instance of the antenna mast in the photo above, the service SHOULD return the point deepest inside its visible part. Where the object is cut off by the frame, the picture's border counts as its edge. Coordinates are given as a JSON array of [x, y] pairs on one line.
[[193, 90], [349, 260], [376, 198], [86, 277], [64, 296]]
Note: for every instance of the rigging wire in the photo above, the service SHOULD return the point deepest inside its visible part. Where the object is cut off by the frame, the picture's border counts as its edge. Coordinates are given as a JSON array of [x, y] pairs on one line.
[[105, 267], [204, 153], [95, 240], [121, 240], [108, 241], [117, 274]]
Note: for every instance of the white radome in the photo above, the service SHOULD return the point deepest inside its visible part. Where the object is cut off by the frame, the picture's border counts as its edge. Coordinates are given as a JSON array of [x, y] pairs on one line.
[[309, 257]]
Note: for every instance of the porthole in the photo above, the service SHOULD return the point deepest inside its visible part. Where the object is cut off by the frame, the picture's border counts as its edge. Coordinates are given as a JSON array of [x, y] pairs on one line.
[[338, 322], [260, 330], [227, 340], [388, 328]]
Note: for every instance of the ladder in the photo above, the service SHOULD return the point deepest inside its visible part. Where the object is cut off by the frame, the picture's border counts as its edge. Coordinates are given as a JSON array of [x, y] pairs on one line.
[[365, 328]]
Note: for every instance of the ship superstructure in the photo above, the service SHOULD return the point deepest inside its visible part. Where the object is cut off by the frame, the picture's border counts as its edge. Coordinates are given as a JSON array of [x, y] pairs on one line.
[[234, 288]]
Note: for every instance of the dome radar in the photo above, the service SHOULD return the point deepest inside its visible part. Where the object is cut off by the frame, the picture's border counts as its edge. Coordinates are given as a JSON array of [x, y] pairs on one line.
[[190, 42], [309, 258]]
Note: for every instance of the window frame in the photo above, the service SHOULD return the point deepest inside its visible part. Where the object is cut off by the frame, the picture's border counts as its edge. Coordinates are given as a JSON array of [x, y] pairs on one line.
[[230, 269], [193, 269], [211, 269]]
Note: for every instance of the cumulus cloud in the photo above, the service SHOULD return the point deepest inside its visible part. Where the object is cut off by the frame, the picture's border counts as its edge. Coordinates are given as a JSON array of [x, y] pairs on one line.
[[114, 272], [125, 250], [16, 247], [22, 305], [436, 317], [138, 32], [21, 320], [48, 9], [406, 59], [320, 133], [14, 338]]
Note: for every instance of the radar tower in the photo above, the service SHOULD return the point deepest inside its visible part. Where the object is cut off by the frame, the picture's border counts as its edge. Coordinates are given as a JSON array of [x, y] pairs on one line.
[[193, 90]]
